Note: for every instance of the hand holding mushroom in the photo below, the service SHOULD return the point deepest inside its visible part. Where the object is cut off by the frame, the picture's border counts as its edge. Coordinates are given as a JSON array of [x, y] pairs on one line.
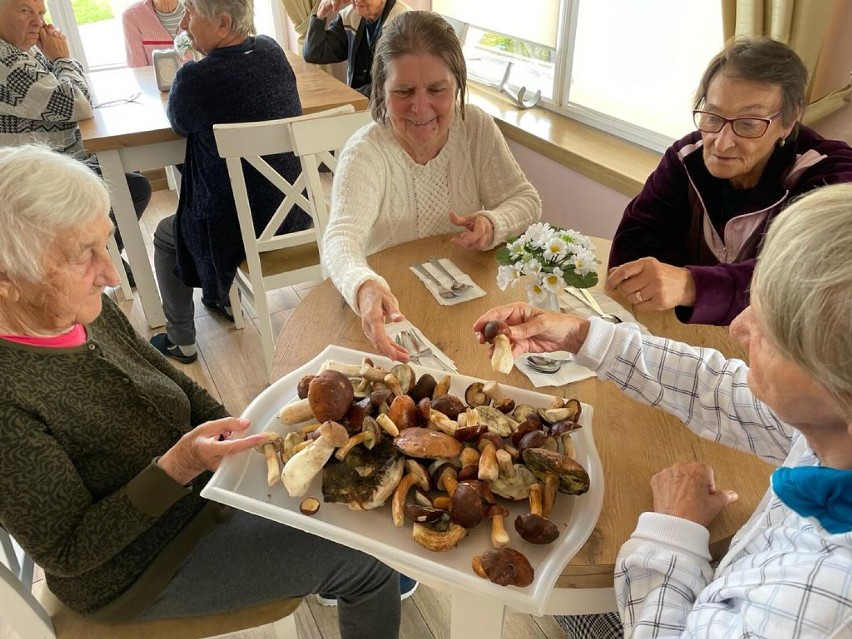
[[532, 330]]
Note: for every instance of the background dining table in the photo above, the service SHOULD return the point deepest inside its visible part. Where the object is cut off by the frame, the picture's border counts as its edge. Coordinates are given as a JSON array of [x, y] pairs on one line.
[[634, 441], [135, 135]]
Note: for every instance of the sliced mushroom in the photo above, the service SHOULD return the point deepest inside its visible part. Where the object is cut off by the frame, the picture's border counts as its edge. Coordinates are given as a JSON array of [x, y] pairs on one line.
[[504, 566], [309, 506], [304, 465], [497, 333], [270, 449], [474, 396]]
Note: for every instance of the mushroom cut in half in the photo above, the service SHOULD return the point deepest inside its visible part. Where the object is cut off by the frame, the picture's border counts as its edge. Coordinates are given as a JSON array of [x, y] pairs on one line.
[[368, 484]]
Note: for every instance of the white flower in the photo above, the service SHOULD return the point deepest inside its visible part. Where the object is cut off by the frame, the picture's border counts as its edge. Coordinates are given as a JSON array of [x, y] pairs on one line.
[[516, 248], [506, 275], [536, 294], [182, 43], [538, 234], [555, 248], [531, 267], [553, 281], [584, 261]]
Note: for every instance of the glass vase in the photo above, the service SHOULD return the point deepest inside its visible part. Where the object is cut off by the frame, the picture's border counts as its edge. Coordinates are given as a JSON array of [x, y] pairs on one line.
[[550, 302]]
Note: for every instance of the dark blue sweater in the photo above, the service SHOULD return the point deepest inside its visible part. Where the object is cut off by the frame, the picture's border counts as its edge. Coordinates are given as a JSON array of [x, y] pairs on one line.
[[249, 82]]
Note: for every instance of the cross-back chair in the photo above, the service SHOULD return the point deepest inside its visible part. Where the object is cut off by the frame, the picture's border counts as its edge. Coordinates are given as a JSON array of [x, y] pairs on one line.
[[275, 261], [41, 615]]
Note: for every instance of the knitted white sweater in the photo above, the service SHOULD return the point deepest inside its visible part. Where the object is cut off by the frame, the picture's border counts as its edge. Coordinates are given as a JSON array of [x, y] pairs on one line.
[[382, 198]]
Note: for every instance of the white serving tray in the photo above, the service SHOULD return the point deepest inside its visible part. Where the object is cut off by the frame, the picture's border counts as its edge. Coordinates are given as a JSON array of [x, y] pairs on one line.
[[241, 482]]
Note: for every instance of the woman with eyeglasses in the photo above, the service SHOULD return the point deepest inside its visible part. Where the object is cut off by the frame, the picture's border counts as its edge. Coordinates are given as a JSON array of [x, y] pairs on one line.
[[689, 240]]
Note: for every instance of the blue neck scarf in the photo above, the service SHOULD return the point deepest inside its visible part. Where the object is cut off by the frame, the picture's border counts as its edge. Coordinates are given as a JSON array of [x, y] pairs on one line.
[[816, 491]]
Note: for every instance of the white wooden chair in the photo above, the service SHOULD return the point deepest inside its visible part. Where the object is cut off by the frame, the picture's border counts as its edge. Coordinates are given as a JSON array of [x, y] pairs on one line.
[[275, 261], [41, 615]]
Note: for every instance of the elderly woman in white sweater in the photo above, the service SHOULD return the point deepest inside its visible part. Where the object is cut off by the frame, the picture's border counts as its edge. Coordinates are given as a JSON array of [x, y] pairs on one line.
[[428, 165]]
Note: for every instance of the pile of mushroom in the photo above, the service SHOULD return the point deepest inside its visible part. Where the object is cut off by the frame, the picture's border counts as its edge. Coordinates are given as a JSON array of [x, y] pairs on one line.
[[442, 461]]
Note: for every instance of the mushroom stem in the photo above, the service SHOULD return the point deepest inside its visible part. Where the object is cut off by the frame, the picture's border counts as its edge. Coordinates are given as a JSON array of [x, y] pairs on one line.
[[353, 441], [535, 499], [551, 483], [488, 468], [438, 541], [499, 536], [387, 425], [501, 360], [399, 496], [504, 463], [295, 412], [273, 472]]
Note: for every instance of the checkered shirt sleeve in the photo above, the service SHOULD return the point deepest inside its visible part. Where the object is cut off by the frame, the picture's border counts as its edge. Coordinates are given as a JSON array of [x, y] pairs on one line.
[[784, 575], [39, 91]]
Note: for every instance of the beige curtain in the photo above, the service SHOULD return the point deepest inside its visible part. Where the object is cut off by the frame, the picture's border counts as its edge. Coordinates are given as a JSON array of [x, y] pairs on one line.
[[299, 12], [801, 24]]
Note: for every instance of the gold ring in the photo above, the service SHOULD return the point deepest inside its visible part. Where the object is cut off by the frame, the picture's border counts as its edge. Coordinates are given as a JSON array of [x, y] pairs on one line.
[[639, 297]]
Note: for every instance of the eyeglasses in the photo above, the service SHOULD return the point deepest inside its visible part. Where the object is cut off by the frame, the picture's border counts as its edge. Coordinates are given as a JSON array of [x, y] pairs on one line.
[[744, 127]]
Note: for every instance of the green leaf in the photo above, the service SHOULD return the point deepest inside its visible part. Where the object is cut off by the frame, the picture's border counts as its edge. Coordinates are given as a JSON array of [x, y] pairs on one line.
[[503, 257]]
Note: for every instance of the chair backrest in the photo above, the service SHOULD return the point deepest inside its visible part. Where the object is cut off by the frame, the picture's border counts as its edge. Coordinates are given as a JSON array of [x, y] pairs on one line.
[[250, 141], [18, 605], [318, 142]]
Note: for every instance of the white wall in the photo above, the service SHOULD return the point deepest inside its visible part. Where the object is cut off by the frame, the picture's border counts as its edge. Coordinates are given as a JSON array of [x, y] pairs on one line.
[[569, 199]]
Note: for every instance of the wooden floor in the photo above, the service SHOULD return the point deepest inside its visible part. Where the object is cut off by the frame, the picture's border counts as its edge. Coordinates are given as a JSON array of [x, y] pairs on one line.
[[230, 367]]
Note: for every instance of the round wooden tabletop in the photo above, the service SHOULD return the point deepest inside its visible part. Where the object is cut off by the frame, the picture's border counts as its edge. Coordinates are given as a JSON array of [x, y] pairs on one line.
[[634, 441]]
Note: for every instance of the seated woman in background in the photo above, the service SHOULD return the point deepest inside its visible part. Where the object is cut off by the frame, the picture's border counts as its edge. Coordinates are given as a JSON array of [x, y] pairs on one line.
[[351, 36], [243, 78], [688, 241], [427, 166], [111, 445], [150, 25], [786, 573]]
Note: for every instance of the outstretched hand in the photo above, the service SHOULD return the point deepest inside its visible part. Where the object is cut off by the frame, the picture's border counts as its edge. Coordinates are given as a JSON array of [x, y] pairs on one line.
[[204, 448], [532, 330], [478, 231], [688, 490], [375, 304]]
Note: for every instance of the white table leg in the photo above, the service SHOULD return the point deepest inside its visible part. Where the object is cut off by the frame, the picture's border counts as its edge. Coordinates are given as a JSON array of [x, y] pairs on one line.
[[124, 284], [476, 616], [131, 233]]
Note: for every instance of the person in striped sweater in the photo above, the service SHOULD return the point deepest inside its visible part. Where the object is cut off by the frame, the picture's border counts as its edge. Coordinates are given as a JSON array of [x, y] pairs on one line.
[[150, 25]]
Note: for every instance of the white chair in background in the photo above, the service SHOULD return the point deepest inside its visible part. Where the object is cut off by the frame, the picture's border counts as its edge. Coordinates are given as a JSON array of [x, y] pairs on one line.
[[275, 261], [43, 616]]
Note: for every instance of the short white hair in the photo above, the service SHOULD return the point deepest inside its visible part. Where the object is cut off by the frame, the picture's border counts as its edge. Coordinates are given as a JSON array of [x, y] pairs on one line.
[[42, 194], [802, 286], [240, 11]]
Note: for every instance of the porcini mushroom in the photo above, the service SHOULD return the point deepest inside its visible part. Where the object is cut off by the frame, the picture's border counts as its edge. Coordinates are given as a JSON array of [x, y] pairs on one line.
[[289, 444], [488, 445], [426, 443], [497, 398], [330, 394], [304, 465], [369, 436], [499, 537], [504, 566], [532, 526], [270, 448], [415, 475], [557, 472], [497, 333], [474, 395]]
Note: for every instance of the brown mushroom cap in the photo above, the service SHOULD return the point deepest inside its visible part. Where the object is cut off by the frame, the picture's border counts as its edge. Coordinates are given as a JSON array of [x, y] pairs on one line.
[[474, 395], [302, 386], [403, 412], [573, 478], [467, 507], [494, 328], [450, 405], [504, 566], [424, 387], [536, 529], [430, 444], [330, 394]]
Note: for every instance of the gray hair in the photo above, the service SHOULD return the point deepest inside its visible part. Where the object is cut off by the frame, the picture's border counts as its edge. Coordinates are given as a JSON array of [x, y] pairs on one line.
[[416, 33], [808, 315], [42, 194], [764, 61], [241, 13]]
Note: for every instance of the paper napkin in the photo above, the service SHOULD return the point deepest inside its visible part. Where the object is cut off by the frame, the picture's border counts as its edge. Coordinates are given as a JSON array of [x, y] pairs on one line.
[[438, 359], [465, 296], [570, 372]]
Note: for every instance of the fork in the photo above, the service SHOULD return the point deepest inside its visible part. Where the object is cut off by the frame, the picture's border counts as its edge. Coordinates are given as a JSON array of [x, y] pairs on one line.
[[588, 299], [404, 339], [443, 291], [456, 286]]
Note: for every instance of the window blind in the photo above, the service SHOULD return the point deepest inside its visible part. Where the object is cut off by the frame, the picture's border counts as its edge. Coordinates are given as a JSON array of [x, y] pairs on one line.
[[533, 20]]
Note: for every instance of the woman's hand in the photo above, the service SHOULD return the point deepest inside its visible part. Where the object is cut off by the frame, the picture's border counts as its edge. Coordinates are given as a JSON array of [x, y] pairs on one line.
[[375, 303], [651, 285], [52, 43], [532, 330], [688, 490], [478, 231], [329, 7], [204, 448]]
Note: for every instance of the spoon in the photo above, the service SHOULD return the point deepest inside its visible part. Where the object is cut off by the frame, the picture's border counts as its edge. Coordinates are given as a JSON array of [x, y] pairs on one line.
[[443, 291], [545, 365], [584, 296], [456, 286]]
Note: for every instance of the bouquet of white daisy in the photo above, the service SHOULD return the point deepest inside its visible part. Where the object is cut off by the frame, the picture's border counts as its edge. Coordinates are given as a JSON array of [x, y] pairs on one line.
[[547, 259], [182, 44]]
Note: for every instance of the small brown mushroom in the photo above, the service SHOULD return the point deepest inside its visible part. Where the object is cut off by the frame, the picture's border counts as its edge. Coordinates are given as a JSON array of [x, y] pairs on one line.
[[532, 526], [403, 412], [357, 412], [369, 436], [562, 431], [444, 478], [467, 508], [450, 405], [497, 333], [442, 387], [270, 449], [474, 396], [424, 388], [426, 443], [504, 566], [557, 472], [416, 475], [302, 386], [498, 398], [309, 506], [420, 514]]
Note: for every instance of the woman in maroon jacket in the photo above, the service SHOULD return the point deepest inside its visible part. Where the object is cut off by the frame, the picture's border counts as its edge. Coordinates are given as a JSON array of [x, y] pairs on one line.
[[689, 240]]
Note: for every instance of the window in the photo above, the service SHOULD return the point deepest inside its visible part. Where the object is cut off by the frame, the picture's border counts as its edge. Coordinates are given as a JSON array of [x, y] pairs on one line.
[[628, 67], [96, 37]]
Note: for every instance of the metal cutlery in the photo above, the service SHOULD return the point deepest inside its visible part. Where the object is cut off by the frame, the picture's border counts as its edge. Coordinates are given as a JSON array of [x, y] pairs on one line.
[[455, 285], [404, 339], [586, 298], [443, 291], [546, 365]]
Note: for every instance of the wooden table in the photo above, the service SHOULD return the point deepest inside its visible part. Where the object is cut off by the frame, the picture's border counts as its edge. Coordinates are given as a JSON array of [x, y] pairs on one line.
[[136, 136], [634, 441]]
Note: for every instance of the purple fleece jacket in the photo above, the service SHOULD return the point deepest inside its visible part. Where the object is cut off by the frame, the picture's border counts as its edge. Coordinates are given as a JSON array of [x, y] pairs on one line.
[[666, 219]]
